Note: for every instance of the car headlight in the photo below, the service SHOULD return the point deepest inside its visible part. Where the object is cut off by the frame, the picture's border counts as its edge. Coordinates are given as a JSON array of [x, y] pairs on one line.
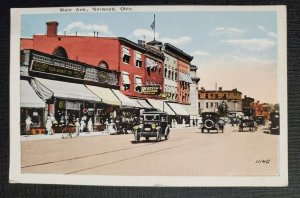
[[153, 126]]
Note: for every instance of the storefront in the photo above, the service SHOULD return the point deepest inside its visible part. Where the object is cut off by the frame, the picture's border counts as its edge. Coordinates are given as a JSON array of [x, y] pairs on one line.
[[182, 116], [32, 110], [69, 101]]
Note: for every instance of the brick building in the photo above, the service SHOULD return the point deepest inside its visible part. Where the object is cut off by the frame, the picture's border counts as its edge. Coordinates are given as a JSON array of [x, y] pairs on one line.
[[209, 100], [137, 64]]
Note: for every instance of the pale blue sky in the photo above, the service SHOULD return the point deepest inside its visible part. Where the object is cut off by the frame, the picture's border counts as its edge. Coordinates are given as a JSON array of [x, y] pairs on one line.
[[224, 44]]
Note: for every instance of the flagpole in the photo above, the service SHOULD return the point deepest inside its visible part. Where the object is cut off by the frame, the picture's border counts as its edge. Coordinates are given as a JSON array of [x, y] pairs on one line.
[[154, 27]]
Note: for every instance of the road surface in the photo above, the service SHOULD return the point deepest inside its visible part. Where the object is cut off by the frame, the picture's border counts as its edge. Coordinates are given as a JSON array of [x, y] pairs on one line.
[[188, 152]]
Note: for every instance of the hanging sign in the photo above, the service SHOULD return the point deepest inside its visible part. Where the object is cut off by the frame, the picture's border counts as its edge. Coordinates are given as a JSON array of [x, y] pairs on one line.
[[150, 89]]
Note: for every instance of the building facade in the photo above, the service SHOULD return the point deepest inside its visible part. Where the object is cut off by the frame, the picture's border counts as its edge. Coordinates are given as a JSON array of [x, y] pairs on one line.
[[209, 100]]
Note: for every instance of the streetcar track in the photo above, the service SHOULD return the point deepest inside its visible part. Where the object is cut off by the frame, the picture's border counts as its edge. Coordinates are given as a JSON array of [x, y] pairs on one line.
[[96, 154], [130, 158], [141, 155]]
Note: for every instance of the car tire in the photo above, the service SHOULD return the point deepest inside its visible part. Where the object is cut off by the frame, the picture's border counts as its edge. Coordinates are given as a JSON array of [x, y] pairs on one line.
[[167, 132], [136, 136], [209, 124], [158, 136]]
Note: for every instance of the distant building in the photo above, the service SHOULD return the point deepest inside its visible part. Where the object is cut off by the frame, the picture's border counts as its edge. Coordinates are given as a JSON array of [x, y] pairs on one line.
[[209, 100]]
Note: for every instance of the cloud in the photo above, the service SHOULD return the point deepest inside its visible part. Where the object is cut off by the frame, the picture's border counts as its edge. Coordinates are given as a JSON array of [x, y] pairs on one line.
[[199, 53], [251, 44], [148, 34], [270, 34], [227, 31], [262, 28], [87, 29], [177, 41]]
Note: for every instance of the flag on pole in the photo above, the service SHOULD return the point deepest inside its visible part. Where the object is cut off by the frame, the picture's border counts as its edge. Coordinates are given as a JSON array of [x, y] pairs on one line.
[[153, 24]]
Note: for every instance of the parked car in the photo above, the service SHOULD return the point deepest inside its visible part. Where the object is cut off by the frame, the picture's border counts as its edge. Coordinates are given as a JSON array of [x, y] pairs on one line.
[[275, 123], [260, 120], [247, 122], [153, 124], [211, 121]]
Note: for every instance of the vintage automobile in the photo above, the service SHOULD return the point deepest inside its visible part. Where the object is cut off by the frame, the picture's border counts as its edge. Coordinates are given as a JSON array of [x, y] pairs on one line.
[[260, 120], [153, 124], [275, 123], [247, 123], [211, 121]]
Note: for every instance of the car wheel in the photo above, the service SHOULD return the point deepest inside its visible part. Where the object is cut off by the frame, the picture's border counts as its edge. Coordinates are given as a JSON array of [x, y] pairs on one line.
[[158, 136], [136, 136], [208, 124], [167, 133]]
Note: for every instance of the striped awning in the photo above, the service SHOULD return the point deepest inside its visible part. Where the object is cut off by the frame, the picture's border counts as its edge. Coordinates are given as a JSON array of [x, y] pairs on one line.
[[185, 77]]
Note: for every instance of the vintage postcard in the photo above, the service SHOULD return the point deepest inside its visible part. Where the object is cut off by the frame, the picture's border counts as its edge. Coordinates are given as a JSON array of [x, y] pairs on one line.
[[149, 96]]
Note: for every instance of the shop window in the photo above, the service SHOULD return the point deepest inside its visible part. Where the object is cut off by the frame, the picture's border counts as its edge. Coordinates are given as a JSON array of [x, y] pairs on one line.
[[126, 81], [60, 52], [216, 104], [125, 55], [138, 60], [103, 65], [138, 84]]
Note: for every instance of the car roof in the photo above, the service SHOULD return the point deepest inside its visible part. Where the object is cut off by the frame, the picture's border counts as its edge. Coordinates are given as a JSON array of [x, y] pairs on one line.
[[155, 112]]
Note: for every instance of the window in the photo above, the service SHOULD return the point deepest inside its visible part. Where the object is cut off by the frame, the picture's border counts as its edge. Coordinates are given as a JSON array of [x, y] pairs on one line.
[[166, 71], [137, 83], [216, 104], [103, 65], [206, 95], [138, 60], [211, 104], [60, 52], [169, 74], [172, 75], [151, 65], [126, 81], [206, 104], [125, 55], [175, 76]]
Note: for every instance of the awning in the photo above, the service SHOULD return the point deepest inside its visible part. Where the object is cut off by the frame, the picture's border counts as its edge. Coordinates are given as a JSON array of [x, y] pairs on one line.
[[138, 56], [144, 104], [29, 99], [125, 51], [150, 63], [178, 108], [66, 90], [106, 94], [161, 105], [126, 101], [185, 77], [192, 109]]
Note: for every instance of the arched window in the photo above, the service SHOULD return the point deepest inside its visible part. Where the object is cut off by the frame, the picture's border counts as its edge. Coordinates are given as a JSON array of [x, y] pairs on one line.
[[103, 65], [60, 52]]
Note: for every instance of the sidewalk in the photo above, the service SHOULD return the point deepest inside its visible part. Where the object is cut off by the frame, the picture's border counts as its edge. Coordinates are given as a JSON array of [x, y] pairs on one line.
[[59, 136]]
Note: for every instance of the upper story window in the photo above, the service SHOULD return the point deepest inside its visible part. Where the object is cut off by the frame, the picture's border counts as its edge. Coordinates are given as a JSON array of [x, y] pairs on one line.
[[60, 52], [166, 71], [125, 55], [103, 65], [137, 83], [138, 59], [125, 81], [169, 74], [175, 76], [151, 65]]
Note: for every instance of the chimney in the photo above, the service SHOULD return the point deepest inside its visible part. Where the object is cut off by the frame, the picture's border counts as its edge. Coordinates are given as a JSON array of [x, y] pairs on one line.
[[52, 28], [220, 88], [141, 42]]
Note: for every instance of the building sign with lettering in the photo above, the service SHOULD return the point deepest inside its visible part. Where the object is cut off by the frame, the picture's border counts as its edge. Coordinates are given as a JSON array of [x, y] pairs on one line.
[[45, 64], [150, 90]]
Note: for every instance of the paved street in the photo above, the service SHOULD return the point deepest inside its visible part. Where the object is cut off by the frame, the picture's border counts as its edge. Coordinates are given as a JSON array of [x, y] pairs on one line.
[[188, 152]]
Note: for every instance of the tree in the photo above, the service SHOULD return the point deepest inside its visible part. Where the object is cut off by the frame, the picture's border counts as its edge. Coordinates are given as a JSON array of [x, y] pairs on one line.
[[223, 108]]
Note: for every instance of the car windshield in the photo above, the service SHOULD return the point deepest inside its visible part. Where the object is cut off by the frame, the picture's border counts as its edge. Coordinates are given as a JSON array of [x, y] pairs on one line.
[[151, 117]]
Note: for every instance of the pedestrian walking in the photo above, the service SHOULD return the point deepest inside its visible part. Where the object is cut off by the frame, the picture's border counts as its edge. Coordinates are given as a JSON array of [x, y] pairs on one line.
[[28, 123], [77, 127], [49, 125]]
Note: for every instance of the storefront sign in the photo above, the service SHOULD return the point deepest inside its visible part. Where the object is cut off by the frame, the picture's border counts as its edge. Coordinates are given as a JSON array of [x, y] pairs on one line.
[[150, 90], [72, 105], [102, 76]]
